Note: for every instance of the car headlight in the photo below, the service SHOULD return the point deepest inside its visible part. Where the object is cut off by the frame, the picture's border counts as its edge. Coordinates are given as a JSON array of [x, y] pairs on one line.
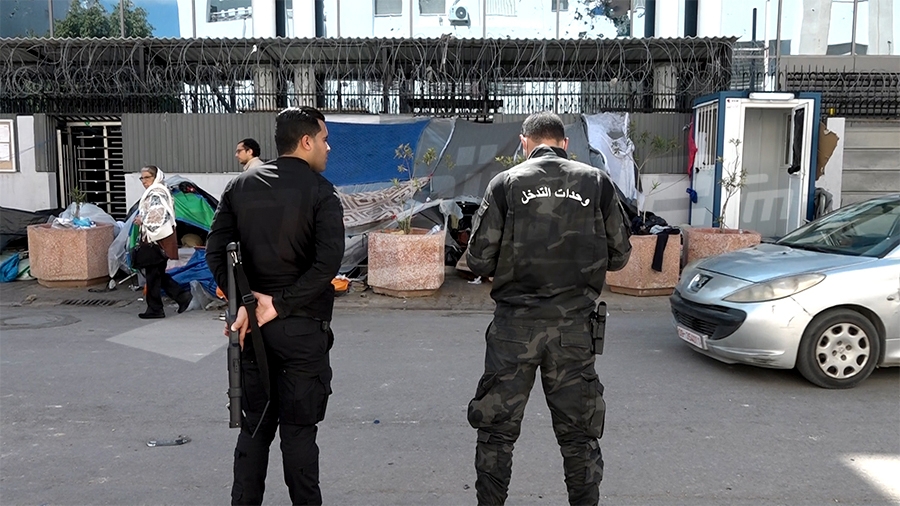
[[776, 288], [687, 274]]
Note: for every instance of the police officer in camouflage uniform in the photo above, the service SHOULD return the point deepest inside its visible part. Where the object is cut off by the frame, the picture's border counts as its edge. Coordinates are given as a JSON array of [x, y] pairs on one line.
[[547, 230]]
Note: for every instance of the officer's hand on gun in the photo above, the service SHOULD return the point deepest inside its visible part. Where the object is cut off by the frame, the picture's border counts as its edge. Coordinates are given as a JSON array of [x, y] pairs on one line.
[[265, 312]]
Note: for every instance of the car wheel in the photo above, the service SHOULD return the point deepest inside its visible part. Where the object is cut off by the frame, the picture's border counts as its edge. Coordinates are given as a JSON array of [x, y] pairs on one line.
[[839, 349]]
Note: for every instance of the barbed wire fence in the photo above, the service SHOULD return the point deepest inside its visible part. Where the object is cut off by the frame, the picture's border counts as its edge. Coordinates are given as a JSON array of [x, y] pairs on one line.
[[447, 76], [434, 77]]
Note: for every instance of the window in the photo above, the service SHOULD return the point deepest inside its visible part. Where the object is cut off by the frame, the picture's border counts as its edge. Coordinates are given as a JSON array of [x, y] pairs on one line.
[[563, 5], [500, 8], [388, 7], [7, 145], [432, 7]]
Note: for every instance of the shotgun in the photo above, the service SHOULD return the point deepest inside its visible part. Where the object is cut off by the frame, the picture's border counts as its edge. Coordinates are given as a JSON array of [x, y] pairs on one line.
[[234, 339]]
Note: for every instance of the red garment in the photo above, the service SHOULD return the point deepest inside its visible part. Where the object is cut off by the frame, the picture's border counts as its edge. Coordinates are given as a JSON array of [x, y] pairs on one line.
[[692, 148]]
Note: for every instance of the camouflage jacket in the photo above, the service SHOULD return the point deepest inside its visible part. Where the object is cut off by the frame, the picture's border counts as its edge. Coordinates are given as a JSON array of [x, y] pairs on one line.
[[547, 230]]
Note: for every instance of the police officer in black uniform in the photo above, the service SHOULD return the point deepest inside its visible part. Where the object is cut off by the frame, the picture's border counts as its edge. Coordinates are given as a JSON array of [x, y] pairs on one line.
[[547, 230], [288, 220]]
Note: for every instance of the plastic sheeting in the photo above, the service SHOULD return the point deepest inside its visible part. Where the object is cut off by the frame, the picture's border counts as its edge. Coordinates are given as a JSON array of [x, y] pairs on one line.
[[365, 154], [14, 223], [608, 134], [194, 270], [473, 148]]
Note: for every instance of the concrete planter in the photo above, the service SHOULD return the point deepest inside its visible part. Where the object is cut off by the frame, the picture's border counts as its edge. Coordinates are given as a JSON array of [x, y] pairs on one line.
[[708, 241], [406, 265], [65, 257], [638, 277]]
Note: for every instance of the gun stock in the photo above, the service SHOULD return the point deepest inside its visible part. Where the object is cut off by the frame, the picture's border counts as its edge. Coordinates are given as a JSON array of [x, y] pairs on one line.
[[234, 340]]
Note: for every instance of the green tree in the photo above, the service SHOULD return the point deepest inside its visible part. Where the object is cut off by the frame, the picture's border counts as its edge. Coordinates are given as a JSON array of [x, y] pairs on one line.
[[136, 24], [88, 18]]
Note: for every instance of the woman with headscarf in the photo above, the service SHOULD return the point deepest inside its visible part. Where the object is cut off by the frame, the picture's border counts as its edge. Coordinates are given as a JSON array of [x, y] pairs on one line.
[[156, 217]]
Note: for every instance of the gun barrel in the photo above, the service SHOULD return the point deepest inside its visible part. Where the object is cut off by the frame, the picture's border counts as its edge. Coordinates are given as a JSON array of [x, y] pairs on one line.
[[234, 342]]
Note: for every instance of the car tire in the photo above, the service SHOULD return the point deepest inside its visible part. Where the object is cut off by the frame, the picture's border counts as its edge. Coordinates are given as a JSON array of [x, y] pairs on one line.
[[839, 349]]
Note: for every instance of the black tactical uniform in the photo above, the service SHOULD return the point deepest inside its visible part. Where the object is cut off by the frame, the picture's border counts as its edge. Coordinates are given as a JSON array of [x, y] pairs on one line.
[[547, 231], [289, 222]]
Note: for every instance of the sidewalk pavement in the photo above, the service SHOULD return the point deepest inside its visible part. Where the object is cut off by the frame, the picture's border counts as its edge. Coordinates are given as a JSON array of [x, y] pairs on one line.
[[456, 294]]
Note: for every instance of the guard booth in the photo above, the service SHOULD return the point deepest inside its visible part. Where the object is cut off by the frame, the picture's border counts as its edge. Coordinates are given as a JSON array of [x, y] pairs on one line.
[[768, 136]]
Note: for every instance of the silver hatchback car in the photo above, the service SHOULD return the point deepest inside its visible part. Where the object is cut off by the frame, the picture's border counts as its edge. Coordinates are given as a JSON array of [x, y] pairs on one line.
[[824, 299]]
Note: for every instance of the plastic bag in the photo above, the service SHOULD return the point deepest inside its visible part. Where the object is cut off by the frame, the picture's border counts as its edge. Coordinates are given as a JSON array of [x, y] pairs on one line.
[[90, 212]]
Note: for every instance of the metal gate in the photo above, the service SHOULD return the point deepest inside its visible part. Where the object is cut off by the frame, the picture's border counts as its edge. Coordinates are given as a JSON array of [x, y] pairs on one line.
[[704, 211], [90, 159]]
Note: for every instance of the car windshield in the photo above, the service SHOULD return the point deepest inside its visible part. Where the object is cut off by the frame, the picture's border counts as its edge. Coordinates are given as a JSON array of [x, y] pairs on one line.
[[870, 229]]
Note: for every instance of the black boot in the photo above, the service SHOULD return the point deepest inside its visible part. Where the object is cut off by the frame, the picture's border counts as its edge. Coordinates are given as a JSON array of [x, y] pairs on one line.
[[149, 315], [184, 300]]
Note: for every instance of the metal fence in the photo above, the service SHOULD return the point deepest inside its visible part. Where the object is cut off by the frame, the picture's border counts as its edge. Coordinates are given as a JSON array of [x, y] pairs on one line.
[[851, 87], [471, 78]]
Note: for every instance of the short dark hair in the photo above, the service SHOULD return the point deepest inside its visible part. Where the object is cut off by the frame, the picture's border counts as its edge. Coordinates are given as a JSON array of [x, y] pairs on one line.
[[292, 124], [544, 125], [252, 145]]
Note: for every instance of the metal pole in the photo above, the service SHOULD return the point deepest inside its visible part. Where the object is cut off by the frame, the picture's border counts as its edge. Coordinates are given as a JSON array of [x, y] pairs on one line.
[[194, 18], [853, 32], [122, 17], [753, 61], [558, 2], [483, 19], [766, 44], [50, 10], [778, 48], [338, 10], [410, 19]]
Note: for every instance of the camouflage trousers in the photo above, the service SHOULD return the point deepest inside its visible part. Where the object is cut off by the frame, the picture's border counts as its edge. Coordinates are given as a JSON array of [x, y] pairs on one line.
[[574, 395]]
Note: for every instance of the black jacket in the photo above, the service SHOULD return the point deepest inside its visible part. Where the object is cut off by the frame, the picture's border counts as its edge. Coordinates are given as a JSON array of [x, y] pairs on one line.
[[548, 230], [289, 222]]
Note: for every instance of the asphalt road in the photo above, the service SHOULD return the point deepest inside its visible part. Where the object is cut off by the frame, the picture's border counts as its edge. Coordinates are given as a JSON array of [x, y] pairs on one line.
[[82, 390]]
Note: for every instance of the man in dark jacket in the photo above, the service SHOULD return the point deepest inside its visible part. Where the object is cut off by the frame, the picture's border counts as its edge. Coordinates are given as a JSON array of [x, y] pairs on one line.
[[289, 222], [547, 230]]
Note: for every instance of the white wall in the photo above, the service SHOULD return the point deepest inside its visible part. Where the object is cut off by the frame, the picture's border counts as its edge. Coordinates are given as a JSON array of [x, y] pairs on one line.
[[27, 189], [669, 200], [533, 19]]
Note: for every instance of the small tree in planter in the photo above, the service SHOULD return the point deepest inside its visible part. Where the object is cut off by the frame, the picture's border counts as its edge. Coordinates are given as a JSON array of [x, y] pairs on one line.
[[78, 197], [68, 256], [407, 166], [711, 241], [650, 147], [638, 276], [408, 262]]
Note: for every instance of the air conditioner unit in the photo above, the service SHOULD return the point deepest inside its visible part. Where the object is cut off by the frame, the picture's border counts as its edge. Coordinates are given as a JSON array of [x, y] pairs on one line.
[[459, 14]]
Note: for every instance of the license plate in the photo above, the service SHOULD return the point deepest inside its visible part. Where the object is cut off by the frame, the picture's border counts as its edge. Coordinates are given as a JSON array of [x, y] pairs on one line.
[[692, 337]]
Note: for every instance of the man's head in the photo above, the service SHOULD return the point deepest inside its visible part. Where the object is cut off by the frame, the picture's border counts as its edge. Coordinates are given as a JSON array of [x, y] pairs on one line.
[[301, 133], [246, 150], [543, 128]]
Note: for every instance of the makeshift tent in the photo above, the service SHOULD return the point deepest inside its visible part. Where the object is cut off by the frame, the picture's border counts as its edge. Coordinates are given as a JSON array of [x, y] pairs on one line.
[[372, 202], [194, 211]]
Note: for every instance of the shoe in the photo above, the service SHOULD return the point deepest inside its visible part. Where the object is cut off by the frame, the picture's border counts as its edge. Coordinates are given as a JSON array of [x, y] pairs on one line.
[[184, 301], [147, 315]]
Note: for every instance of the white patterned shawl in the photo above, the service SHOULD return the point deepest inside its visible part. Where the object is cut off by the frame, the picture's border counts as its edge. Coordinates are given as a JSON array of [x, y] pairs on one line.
[[157, 210]]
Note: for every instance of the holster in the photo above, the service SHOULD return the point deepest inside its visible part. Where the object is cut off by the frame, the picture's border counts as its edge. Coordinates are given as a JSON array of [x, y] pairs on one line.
[[598, 328]]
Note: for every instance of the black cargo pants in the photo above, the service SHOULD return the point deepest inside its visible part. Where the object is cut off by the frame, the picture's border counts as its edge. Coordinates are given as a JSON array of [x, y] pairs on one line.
[[574, 395], [297, 350]]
